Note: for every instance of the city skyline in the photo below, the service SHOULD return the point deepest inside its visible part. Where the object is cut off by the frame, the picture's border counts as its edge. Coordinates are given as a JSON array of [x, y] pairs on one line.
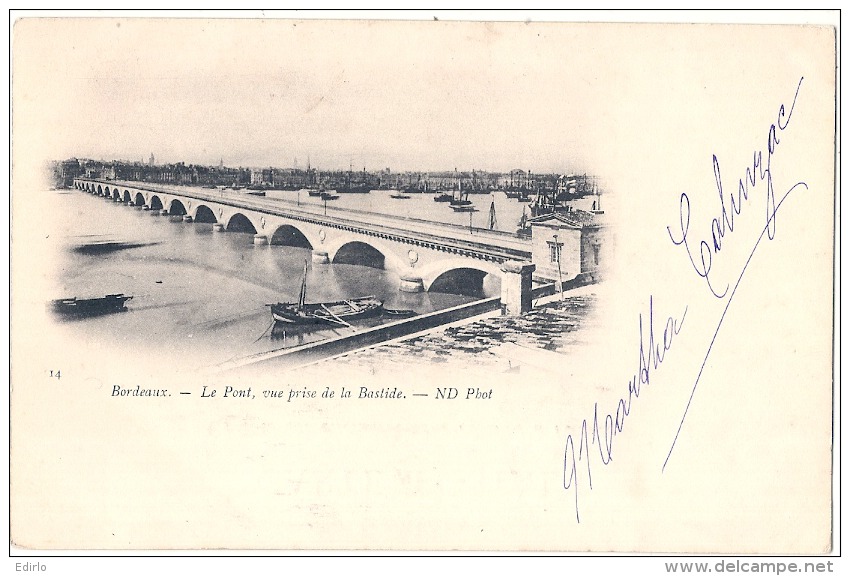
[[307, 165]]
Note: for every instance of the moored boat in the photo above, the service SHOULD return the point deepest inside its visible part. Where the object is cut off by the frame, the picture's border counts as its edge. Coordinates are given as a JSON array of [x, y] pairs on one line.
[[90, 306], [396, 313], [464, 208], [339, 312], [460, 201], [350, 187]]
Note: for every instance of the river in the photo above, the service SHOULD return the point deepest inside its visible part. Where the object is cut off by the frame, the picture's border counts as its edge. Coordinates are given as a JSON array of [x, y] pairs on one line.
[[201, 295], [197, 293]]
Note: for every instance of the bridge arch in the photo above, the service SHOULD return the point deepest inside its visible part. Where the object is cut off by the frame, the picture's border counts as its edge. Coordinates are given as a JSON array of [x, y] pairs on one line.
[[204, 213], [99, 190], [116, 195], [139, 199], [462, 276], [465, 281], [156, 203], [357, 250], [126, 197], [176, 207], [360, 254], [288, 235], [238, 222]]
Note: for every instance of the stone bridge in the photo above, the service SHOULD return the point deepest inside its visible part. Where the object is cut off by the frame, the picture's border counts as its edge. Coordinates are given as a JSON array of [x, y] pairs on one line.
[[426, 255]]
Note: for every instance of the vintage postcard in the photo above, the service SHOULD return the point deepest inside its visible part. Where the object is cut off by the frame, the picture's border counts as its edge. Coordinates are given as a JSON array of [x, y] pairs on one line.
[[371, 285]]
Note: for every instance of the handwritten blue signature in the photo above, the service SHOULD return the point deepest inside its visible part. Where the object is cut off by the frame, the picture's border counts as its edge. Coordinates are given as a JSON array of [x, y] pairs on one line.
[[724, 224], [651, 355]]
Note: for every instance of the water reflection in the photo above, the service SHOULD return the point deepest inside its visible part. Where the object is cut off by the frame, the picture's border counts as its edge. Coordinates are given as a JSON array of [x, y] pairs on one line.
[[198, 293]]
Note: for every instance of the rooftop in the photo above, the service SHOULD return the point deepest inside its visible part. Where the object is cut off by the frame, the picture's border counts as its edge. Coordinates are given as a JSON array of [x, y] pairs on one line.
[[573, 218]]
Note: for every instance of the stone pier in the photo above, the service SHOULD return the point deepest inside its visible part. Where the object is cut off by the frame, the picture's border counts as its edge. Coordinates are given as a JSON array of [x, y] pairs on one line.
[[320, 257], [516, 287], [410, 282]]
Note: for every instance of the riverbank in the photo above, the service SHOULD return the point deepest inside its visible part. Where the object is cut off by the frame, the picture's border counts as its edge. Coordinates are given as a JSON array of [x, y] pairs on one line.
[[491, 342], [470, 337]]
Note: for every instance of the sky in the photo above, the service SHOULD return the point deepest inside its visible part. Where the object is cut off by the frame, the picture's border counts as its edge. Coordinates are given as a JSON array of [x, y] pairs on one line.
[[427, 95], [406, 95]]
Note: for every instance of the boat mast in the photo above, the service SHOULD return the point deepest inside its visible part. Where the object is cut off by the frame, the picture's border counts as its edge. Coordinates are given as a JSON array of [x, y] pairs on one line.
[[302, 295], [459, 194], [492, 222]]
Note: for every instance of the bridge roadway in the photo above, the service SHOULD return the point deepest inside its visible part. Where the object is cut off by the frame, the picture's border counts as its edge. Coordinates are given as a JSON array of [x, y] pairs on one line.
[[493, 245]]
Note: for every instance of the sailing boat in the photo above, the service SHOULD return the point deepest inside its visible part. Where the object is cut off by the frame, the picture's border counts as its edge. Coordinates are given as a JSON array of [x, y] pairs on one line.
[[399, 194], [351, 188], [438, 195], [318, 189], [333, 313], [460, 201]]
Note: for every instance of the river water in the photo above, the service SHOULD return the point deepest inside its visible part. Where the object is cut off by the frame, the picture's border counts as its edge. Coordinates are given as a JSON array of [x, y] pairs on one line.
[[197, 293], [201, 295], [421, 206], [508, 211]]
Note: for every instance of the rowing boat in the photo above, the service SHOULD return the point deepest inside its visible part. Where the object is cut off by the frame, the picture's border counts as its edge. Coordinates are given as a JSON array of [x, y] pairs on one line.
[[338, 312], [90, 306]]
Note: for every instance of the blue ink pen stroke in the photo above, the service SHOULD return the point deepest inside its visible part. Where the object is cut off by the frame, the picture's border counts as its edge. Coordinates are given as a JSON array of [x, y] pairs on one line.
[[601, 430], [651, 354], [758, 173]]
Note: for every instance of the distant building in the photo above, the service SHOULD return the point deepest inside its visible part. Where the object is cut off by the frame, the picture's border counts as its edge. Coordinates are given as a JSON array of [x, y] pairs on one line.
[[66, 171]]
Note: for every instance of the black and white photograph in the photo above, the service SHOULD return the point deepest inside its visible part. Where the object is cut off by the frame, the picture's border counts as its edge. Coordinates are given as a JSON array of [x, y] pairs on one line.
[[402, 283]]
